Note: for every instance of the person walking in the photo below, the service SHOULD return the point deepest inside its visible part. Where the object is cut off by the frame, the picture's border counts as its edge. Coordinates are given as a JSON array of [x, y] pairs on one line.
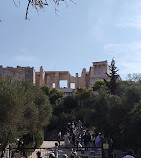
[[74, 155], [129, 154], [51, 155], [66, 140], [65, 156], [59, 138], [38, 154], [98, 141]]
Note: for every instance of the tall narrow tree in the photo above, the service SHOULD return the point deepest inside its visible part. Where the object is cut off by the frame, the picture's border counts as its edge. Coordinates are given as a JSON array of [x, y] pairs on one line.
[[112, 84]]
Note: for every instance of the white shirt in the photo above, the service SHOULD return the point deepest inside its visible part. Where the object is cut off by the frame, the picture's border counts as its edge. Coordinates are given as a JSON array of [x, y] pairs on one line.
[[74, 131]]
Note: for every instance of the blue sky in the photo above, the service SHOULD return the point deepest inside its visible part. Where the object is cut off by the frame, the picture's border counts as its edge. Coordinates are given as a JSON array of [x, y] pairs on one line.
[[89, 31]]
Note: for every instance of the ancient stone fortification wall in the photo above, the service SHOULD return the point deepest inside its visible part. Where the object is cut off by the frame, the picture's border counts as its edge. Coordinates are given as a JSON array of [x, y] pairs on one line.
[[48, 78], [86, 80], [19, 73]]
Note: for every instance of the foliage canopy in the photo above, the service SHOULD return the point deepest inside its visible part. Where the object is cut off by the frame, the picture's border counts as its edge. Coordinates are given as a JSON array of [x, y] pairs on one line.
[[24, 109]]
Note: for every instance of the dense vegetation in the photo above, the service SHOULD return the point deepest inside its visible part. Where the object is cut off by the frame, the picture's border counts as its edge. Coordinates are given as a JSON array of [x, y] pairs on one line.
[[24, 111], [117, 116], [113, 107], [116, 111]]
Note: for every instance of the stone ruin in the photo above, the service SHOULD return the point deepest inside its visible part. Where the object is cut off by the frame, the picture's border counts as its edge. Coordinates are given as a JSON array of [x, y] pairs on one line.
[[18, 73], [99, 70]]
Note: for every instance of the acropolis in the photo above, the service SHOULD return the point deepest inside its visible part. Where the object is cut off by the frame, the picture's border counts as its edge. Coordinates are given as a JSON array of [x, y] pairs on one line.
[[99, 70]]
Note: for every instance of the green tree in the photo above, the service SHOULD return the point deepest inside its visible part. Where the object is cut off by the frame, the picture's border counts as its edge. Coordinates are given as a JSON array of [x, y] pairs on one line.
[[98, 85], [87, 116], [101, 108], [84, 97], [53, 94], [60, 122], [11, 110], [112, 84], [134, 129], [24, 109], [46, 90], [132, 94], [68, 104]]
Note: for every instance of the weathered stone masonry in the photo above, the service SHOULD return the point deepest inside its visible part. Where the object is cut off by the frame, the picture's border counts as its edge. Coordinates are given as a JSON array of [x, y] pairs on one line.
[[47, 78], [87, 79], [19, 73]]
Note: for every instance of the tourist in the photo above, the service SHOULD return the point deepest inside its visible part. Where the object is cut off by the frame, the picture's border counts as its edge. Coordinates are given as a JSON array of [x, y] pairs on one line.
[[38, 154], [64, 156], [86, 139], [59, 137], [74, 155], [77, 139], [73, 139], [74, 131], [69, 125], [89, 138], [56, 149], [72, 127], [51, 155], [79, 124], [93, 139], [129, 154], [66, 140], [98, 140]]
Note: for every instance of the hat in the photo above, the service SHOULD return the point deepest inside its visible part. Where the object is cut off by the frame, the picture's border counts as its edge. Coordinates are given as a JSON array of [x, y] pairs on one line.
[[52, 155], [65, 156]]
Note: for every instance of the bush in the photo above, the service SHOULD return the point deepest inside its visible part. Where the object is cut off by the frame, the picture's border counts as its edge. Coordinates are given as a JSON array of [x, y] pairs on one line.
[[39, 138]]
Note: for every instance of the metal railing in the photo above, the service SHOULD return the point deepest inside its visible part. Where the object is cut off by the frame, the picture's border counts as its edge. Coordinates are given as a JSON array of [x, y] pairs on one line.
[[89, 152]]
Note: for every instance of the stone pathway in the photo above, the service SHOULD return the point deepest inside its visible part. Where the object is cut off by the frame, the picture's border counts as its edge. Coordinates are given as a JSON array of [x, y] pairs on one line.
[[46, 144]]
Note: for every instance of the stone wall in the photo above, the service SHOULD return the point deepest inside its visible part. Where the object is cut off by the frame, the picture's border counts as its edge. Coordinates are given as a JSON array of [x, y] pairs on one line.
[[19, 73], [99, 70]]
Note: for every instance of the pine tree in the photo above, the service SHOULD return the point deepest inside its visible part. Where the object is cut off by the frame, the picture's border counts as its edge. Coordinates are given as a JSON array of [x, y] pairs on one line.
[[112, 84]]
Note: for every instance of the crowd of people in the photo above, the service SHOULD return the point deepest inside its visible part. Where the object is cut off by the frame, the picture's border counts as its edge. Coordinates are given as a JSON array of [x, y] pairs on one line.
[[52, 155], [73, 155], [79, 137]]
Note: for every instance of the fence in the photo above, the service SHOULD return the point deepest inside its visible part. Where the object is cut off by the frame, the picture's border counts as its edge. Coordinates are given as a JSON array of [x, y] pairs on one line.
[[45, 152]]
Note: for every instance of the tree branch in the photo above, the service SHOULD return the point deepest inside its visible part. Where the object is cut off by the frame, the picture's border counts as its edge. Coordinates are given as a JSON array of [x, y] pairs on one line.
[[29, 1], [15, 3], [39, 4]]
